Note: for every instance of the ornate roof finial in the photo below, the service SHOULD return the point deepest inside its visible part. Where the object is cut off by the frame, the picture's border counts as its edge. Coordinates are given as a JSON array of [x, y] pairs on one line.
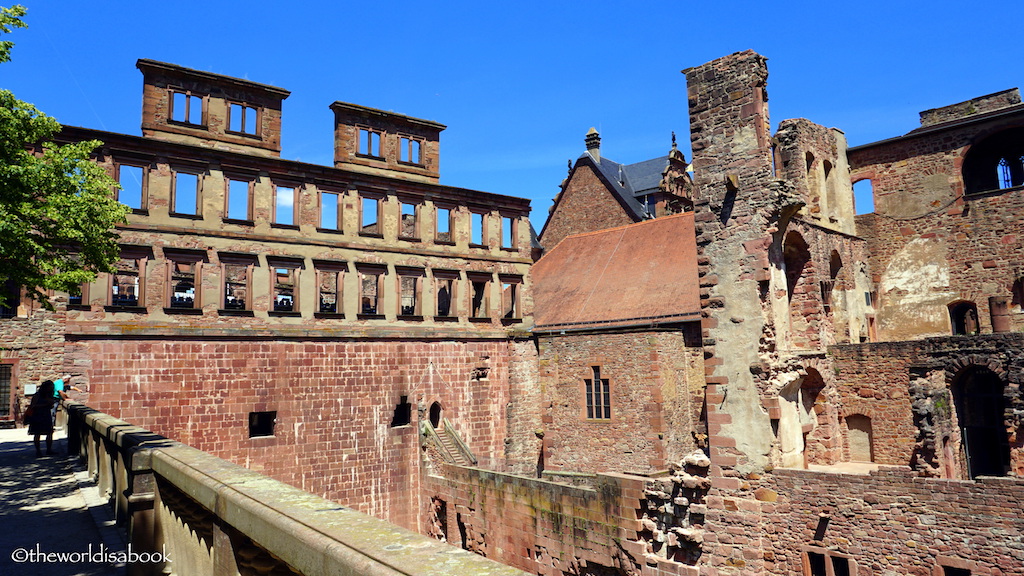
[[673, 139]]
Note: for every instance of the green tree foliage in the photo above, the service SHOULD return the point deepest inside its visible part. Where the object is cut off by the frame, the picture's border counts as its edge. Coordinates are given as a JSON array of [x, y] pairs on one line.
[[57, 207]]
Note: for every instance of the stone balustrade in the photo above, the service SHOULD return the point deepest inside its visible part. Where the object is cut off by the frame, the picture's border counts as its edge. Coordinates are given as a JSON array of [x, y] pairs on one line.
[[209, 516]]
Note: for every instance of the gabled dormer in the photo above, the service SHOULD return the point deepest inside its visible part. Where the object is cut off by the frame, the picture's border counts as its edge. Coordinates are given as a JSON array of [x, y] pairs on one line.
[[204, 109], [377, 142]]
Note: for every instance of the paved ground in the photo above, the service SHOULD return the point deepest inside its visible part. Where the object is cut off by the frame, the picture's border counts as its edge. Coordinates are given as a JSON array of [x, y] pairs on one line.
[[47, 505]]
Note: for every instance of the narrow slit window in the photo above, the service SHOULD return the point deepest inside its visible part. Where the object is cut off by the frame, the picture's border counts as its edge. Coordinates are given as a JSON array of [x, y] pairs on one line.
[[238, 201], [1003, 173], [284, 205], [131, 180]]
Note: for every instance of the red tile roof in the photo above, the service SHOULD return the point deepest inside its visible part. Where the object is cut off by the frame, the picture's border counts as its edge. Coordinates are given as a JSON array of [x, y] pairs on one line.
[[640, 274]]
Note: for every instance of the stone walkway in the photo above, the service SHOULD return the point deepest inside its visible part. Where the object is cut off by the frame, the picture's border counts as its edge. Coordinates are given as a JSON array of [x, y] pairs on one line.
[[47, 505]]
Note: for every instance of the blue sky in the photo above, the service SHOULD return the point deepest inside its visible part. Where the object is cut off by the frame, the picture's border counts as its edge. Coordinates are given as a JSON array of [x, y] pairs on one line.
[[519, 84]]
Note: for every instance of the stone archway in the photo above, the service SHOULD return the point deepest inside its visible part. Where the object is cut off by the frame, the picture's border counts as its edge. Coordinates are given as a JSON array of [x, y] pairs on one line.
[[978, 395]]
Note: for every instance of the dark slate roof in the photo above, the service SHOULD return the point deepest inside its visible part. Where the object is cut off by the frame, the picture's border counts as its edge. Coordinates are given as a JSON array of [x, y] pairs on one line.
[[645, 177], [643, 274]]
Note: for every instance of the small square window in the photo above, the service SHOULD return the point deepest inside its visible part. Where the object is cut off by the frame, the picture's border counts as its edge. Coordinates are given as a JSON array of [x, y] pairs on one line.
[[186, 108], [262, 423], [132, 181], [330, 215], [238, 204], [284, 205], [186, 194], [242, 119], [369, 143]]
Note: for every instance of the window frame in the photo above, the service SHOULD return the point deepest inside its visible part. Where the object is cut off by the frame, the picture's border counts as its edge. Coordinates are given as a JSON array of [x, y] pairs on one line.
[[380, 272], [226, 259], [295, 188], [596, 397], [378, 199], [141, 258], [295, 267], [143, 185], [481, 312], [199, 173], [338, 269], [373, 136], [405, 150], [418, 276], [512, 222], [189, 97], [440, 277], [515, 283], [483, 229], [339, 211], [451, 224], [173, 258], [230, 177], [244, 106], [417, 211]]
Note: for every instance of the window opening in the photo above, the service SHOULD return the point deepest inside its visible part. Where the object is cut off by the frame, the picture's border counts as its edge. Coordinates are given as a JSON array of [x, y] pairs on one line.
[[238, 202], [1003, 174], [369, 143], [242, 119], [479, 303], [599, 405], [126, 286], [964, 318], [410, 151], [409, 227], [477, 228], [285, 294], [329, 287], [284, 205], [444, 295], [863, 197], [11, 301], [186, 193], [5, 390], [371, 291], [403, 413], [183, 280], [369, 216], [236, 286], [262, 423], [131, 193], [950, 571], [443, 225], [330, 216], [994, 162], [81, 299], [860, 437], [409, 287], [435, 415], [508, 239], [840, 566], [510, 300], [187, 108], [816, 564]]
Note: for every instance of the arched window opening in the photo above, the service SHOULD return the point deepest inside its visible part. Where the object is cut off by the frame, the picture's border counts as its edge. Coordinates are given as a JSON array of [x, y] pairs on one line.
[[863, 197], [980, 406], [964, 318], [835, 266], [994, 163], [809, 158], [860, 438], [435, 415], [795, 255]]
